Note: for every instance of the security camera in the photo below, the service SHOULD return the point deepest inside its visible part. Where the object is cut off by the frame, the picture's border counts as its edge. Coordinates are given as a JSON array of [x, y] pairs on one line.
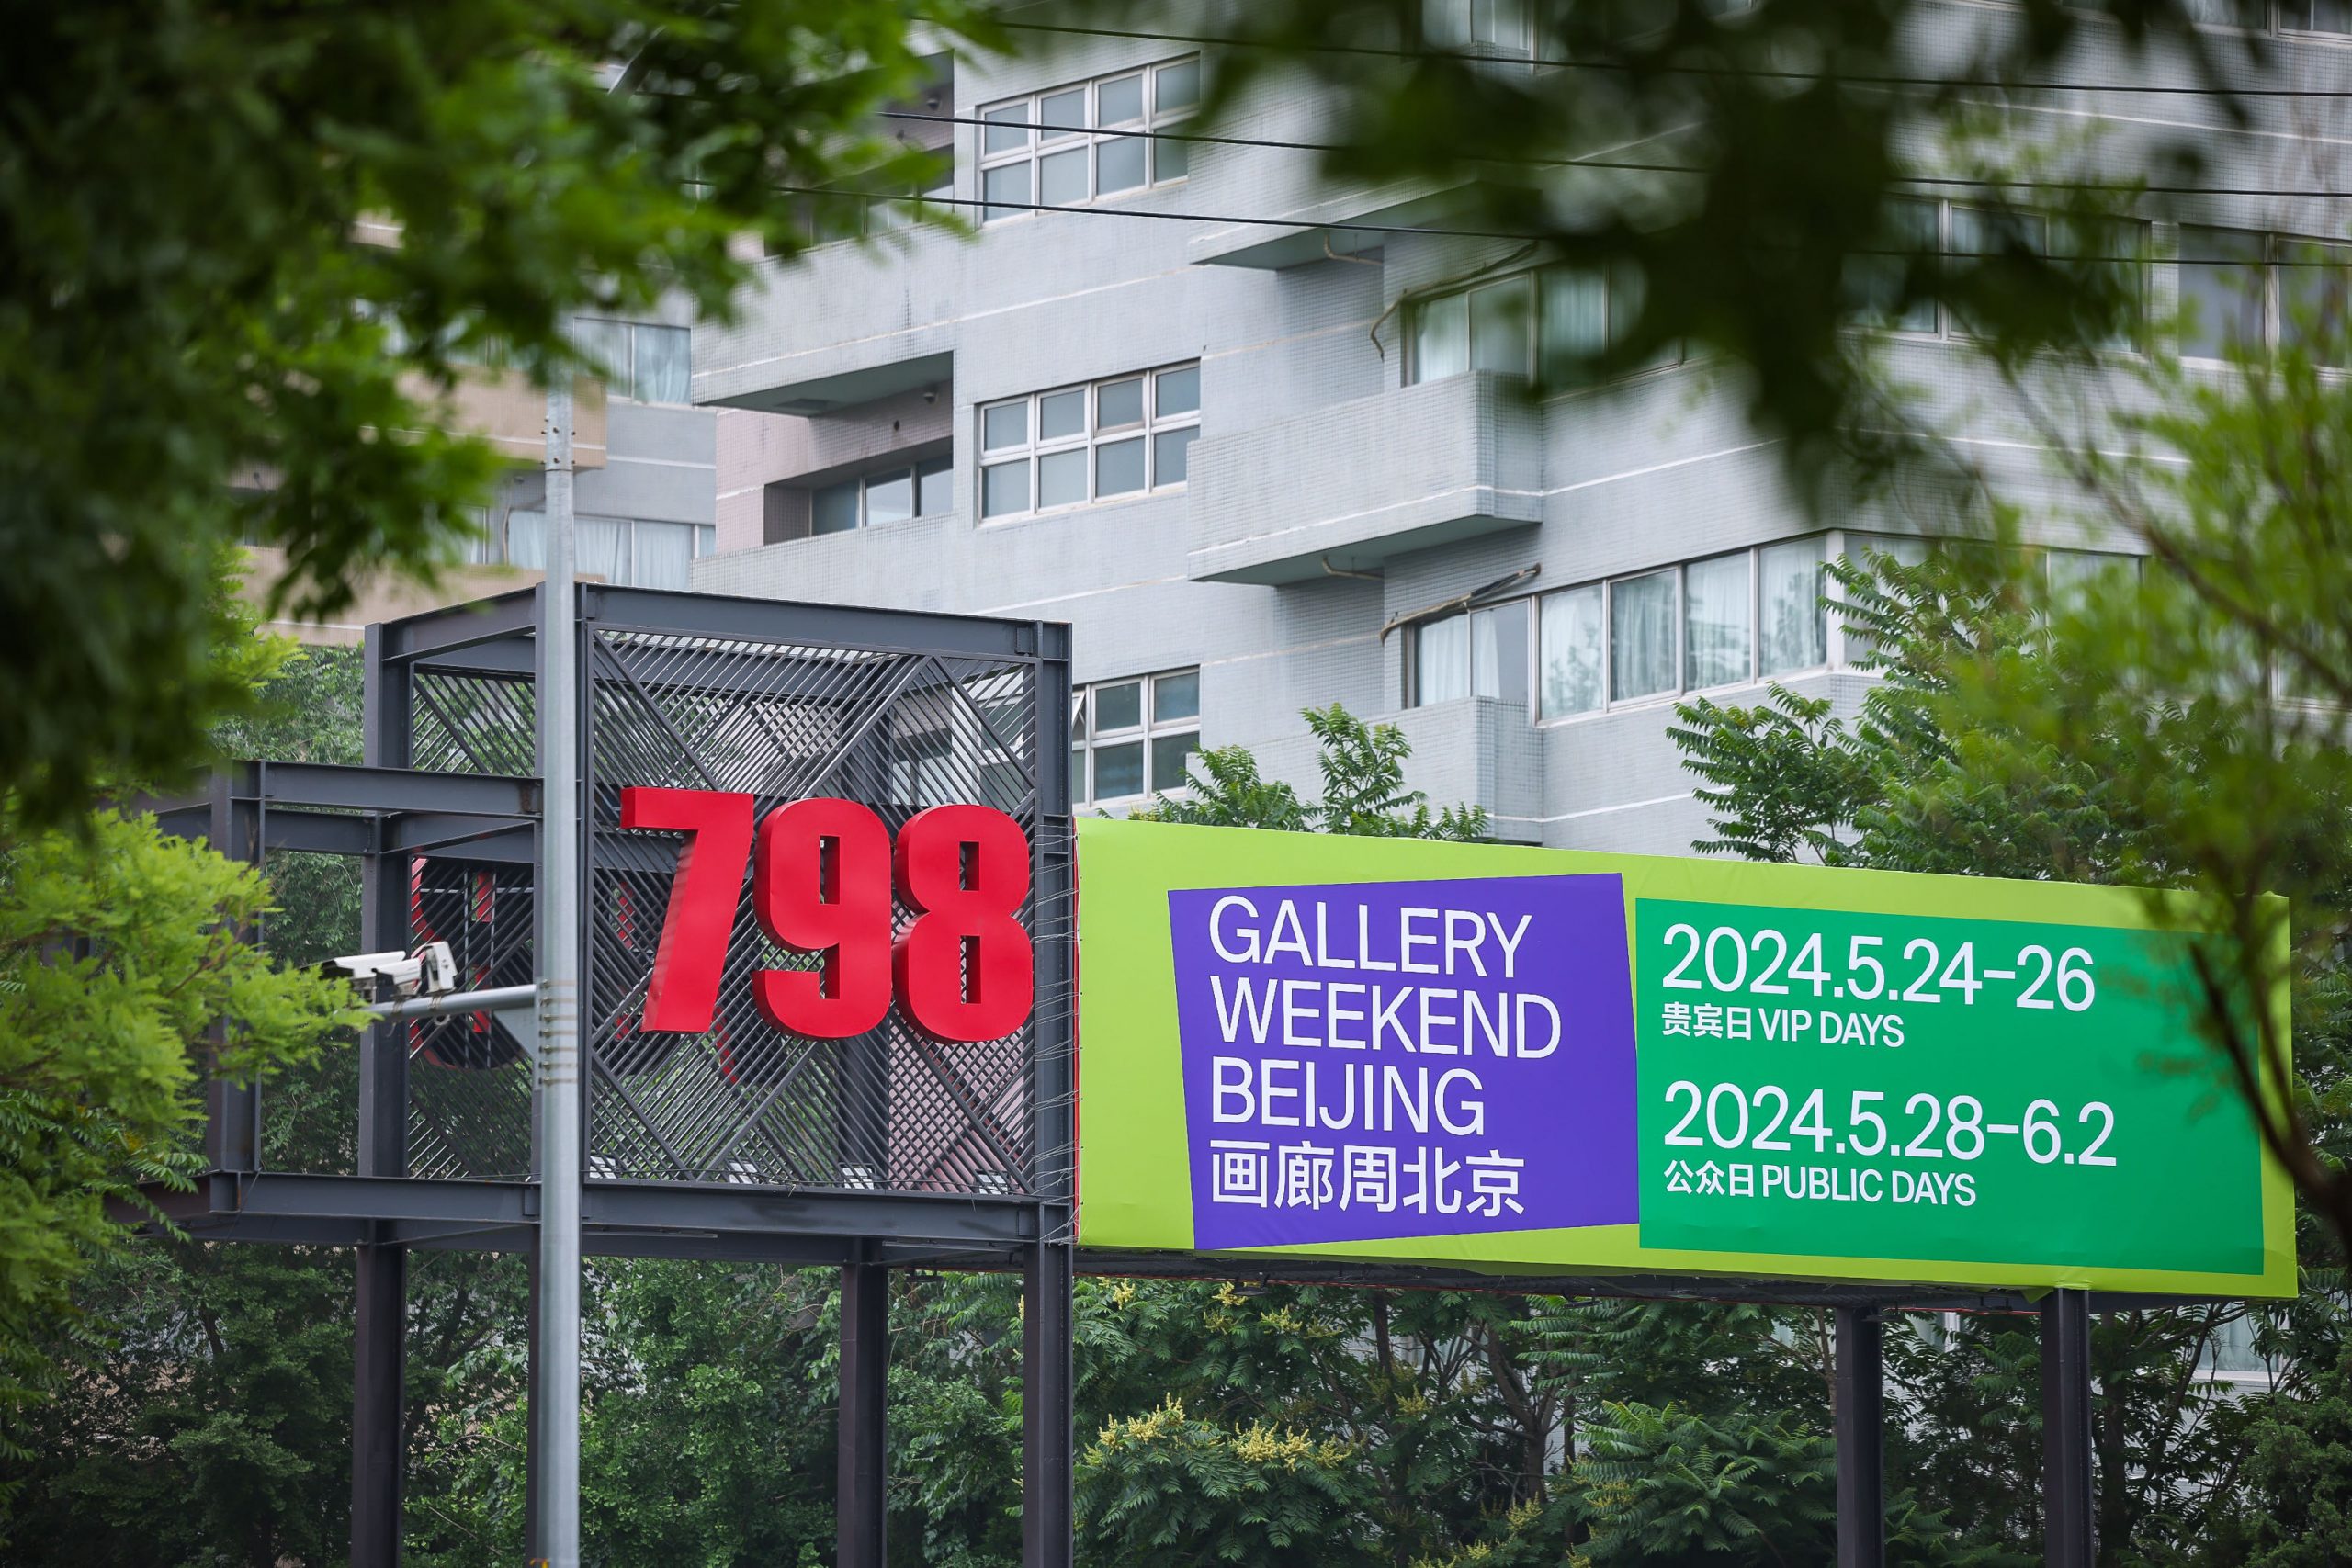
[[431, 970]]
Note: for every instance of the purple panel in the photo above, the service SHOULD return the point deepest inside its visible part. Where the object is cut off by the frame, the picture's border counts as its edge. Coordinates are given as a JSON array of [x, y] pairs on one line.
[[1381, 1059]]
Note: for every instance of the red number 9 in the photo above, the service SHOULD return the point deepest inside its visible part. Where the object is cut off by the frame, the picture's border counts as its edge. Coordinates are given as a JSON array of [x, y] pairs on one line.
[[964, 967], [818, 885]]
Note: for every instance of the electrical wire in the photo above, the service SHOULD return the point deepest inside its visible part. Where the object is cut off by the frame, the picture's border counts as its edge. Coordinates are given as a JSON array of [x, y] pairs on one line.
[[1723, 70], [1311, 225], [1272, 144]]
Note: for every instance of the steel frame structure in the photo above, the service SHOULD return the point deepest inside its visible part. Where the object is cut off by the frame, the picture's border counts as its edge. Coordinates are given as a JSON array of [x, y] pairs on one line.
[[704, 691], [907, 1158]]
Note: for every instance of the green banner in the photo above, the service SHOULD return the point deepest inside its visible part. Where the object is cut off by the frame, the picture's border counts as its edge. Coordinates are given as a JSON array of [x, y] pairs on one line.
[[1530, 1061]]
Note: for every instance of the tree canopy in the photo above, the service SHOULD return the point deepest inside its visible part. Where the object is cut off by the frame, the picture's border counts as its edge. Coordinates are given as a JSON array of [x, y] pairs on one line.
[[245, 250]]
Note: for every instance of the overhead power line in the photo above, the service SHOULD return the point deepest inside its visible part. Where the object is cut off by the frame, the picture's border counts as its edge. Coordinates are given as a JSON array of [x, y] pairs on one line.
[[1312, 225], [1859, 80], [1279, 146]]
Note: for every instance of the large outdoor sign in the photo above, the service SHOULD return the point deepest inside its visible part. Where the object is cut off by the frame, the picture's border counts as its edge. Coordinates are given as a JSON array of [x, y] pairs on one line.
[[1528, 1060]]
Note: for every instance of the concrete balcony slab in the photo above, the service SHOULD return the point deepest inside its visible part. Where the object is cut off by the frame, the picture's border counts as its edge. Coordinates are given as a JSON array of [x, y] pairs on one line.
[[1348, 487]]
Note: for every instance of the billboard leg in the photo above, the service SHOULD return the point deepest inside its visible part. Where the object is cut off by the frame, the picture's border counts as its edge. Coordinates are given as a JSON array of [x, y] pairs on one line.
[[861, 1507], [1045, 1459], [1862, 1439], [2068, 1538], [378, 1407], [533, 1454]]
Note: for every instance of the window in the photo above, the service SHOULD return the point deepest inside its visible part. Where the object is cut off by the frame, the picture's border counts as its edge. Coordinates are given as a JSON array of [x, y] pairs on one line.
[[1071, 145], [1472, 653], [2114, 254], [1120, 437], [617, 549], [644, 362], [2316, 16], [891, 495], [1792, 625], [1722, 621], [1479, 27], [1641, 637], [1540, 325], [1875, 283], [1132, 738], [2249, 293]]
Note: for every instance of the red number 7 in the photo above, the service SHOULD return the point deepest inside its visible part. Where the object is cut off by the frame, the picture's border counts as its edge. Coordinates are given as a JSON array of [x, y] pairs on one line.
[[682, 993]]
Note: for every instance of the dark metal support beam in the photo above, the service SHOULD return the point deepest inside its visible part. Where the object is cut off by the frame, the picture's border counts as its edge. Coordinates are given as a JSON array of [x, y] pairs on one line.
[[380, 1324], [1861, 1439], [1046, 1505], [2069, 1540], [861, 1500], [379, 1445]]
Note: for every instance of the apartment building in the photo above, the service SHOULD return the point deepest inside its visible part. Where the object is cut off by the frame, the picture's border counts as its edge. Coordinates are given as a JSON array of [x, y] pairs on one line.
[[1265, 468], [645, 494]]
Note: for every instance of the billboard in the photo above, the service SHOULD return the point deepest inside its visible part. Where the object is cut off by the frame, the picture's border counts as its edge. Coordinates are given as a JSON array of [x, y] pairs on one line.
[[1538, 1061]]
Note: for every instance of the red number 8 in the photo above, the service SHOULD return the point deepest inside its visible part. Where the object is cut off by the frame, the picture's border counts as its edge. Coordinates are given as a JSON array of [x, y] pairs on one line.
[[963, 968]]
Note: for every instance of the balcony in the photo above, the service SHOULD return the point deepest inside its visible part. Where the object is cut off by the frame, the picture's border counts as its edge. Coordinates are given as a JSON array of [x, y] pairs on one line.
[[1475, 751], [1350, 487], [844, 324]]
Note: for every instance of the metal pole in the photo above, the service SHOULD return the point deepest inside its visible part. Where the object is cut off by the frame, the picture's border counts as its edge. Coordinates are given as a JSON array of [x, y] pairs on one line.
[[493, 1000], [379, 1268], [558, 965], [1862, 1439], [860, 1505], [2068, 1537], [1046, 1398]]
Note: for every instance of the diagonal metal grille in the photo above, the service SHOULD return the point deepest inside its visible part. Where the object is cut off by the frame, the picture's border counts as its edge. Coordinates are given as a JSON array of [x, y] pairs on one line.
[[469, 1081], [899, 729]]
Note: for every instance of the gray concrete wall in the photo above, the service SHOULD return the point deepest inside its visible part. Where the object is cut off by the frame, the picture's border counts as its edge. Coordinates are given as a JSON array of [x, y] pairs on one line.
[[1306, 427]]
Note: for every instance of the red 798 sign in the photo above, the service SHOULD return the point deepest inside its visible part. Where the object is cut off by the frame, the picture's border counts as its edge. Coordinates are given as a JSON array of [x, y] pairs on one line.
[[823, 873]]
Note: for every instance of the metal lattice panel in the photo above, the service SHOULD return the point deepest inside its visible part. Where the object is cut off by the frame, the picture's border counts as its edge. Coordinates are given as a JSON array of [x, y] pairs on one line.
[[900, 730], [469, 1077]]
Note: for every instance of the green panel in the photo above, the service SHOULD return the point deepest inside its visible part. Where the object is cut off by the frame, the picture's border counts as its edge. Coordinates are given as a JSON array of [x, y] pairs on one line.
[[1813, 1081], [2192, 1206]]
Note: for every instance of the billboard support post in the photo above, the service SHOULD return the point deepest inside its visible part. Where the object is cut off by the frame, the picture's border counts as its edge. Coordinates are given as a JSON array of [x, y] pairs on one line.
[[1861, 1439], [1045, 1422], [861, 1503], [379, 1270], [2069, 1541]]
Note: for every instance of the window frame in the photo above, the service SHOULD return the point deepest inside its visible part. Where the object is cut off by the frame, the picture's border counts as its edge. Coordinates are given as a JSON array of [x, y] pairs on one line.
[[1948, 328], [1035, 148], [1531, 325], [913, 471], [1831, 545], [627, 375], [1087, 737], [494, 545], [1091, 438], [2274, 260]]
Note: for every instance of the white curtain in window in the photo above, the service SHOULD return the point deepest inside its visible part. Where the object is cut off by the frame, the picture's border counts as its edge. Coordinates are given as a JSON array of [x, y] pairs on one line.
[[1792, 635], [1715, 620], [1441, 338], [1442, 660], [1570, 648], [527, 539], [1498, 327], [1641, 637], [662, 364], [604, 549], [1575, 325], [663, 555]]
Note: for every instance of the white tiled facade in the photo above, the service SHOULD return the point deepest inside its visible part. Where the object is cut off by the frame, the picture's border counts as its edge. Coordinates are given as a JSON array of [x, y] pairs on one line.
[[1329, 496]]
